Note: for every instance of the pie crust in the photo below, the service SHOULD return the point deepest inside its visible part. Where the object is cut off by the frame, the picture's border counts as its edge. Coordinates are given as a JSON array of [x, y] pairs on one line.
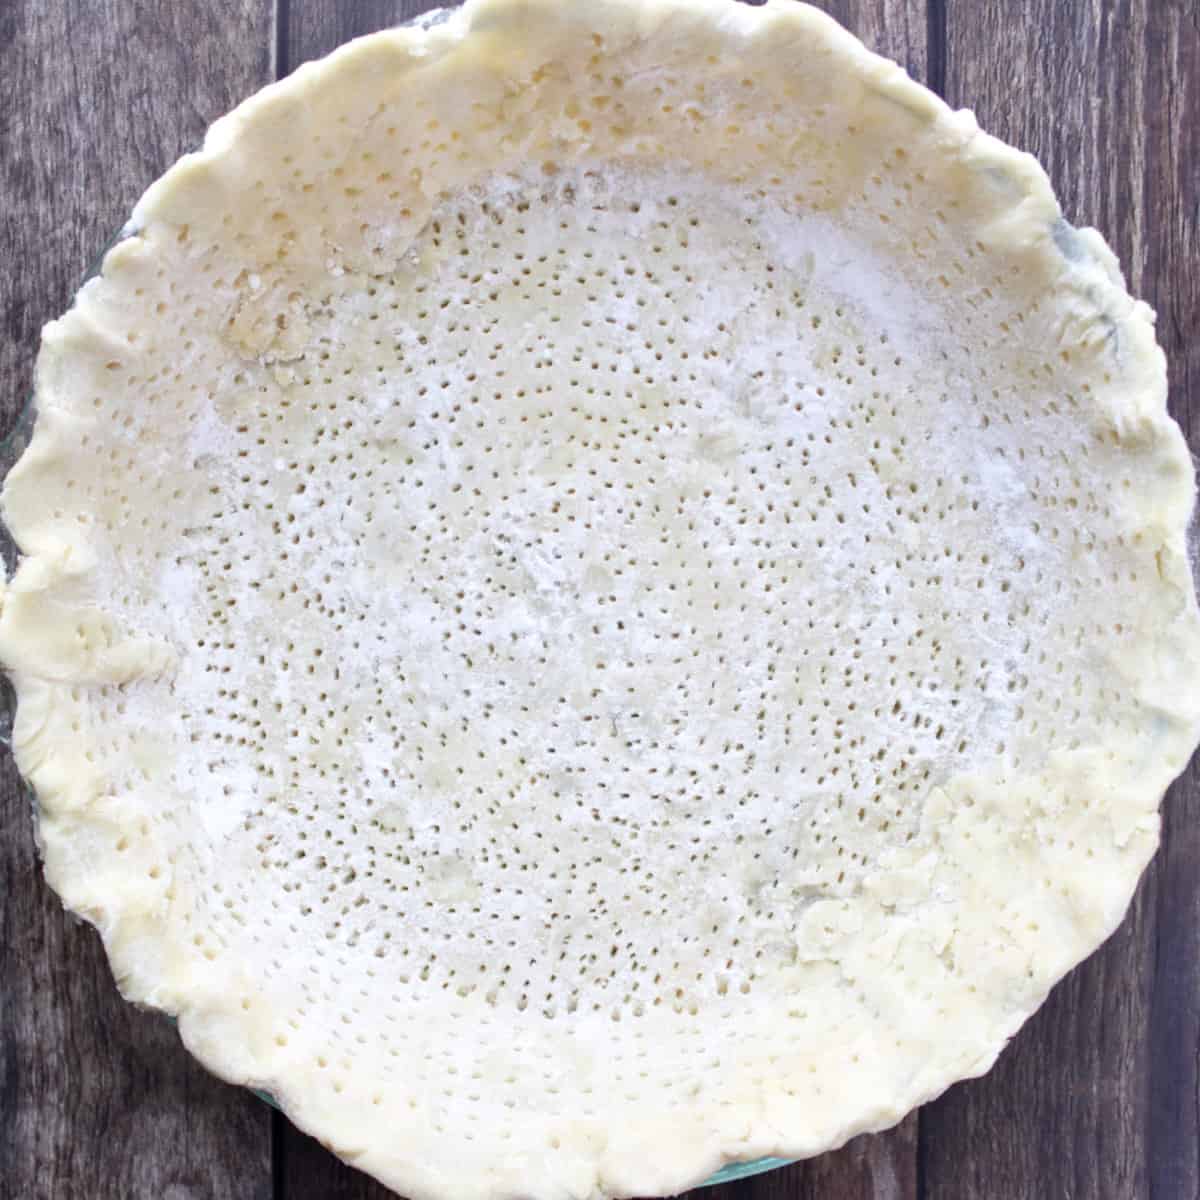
[[604, 591]]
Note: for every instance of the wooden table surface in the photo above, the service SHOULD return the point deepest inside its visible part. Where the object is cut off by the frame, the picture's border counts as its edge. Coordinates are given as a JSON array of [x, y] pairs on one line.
[[1099, 1095]]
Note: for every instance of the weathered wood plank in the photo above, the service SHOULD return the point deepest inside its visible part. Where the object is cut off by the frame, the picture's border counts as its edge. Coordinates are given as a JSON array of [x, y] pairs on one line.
[[306, 1171], [898, 29], [98, 1099], [1170, 61], [1098, 1094], [314, 27], [883, 1167]]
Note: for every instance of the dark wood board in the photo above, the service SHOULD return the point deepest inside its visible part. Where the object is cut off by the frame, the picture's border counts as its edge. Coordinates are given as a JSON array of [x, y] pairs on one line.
[[1099, 1096], [1171, 283], [99, 1101]]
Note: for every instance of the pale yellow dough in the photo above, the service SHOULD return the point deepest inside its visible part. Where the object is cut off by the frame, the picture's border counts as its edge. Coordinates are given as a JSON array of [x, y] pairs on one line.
[[604, 591]]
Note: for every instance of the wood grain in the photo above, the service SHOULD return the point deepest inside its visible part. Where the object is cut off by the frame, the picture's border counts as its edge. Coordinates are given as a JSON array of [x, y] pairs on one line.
[[314, 27], [97, 1099], [1169, 59], [1097, 1096]]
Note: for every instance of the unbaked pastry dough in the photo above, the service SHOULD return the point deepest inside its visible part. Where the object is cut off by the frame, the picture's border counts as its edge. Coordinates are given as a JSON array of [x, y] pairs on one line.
[[604, 591]]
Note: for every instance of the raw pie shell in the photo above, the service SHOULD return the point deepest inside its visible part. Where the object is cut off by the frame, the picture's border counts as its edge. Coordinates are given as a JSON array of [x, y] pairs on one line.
[[604, 592]]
